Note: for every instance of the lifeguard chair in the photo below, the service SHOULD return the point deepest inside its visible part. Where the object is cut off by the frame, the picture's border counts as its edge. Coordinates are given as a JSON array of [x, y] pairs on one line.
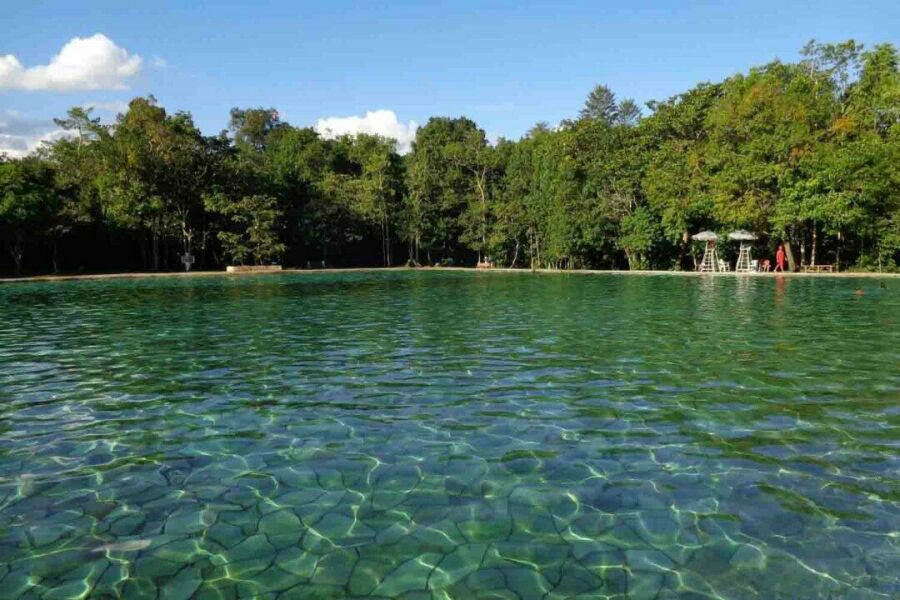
[[744, 264], [710, 262]]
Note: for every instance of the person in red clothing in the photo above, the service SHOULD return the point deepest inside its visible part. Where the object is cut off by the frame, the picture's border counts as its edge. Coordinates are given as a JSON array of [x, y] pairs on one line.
[[779, 259]]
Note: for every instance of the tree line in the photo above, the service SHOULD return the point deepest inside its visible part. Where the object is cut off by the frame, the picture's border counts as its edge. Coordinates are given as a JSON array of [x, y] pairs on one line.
[[806, 154]]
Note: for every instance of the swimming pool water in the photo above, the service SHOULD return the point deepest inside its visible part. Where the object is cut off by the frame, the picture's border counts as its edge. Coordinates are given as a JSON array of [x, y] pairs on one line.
[[450, 435]]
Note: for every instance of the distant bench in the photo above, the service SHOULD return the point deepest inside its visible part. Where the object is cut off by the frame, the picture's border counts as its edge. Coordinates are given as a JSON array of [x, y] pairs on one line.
[[819, 268]]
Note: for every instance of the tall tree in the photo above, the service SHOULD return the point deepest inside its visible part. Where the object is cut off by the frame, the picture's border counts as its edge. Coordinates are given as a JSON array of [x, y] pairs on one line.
[[601, 105], [252, 230], [251, 126], [28, 205], [77, 164], [628, 112], [379, 193], [441, 184]]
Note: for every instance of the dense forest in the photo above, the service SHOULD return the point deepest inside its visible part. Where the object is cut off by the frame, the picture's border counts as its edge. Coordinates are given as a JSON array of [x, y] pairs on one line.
[[806, 154]]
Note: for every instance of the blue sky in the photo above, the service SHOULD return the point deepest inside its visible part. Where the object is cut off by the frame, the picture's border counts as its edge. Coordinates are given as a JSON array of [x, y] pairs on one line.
[[505, 64]]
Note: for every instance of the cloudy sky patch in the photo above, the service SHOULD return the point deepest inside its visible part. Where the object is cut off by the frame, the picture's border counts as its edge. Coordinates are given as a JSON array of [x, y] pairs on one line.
[[115, 106], [377, 122], [93, 63], [20, 135]]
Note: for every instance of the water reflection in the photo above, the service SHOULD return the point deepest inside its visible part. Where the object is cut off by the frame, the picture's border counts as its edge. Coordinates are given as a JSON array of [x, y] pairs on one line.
[[780, 288]]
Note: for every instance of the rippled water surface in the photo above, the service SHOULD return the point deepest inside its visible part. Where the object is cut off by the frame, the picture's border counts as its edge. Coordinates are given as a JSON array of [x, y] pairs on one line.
[[450, 435]]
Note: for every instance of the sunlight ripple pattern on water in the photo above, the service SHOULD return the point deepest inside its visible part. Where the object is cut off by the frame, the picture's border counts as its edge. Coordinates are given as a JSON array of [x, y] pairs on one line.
[[450, 435]]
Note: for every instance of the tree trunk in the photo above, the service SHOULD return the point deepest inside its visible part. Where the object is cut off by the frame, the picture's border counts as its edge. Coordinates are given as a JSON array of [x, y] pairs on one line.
[[187, 236], [201, 262], [166, 254], [512, 265], [145, 252], [481, 185], [17, 252], [792, 264], [383, 249], [837, 252], [531, 249], [155, 248], [685, 250], [812, 256], [387, 241], [55, 256]]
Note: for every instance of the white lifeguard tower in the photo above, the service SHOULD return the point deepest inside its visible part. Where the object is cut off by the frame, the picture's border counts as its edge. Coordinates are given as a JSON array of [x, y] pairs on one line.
[[744, 264], [710, 262]]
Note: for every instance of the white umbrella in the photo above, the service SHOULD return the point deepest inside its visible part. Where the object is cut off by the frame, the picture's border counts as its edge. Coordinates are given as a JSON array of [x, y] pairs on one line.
[[741, 235], [705, 236], [744, 263]]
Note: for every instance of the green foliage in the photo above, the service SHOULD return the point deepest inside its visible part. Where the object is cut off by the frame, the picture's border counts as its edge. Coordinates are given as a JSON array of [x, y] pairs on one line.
[[629, 113], [805, 154], [28, 204], [637, 233], [251, 127], [447, 173], [600, 105], [251, 230]]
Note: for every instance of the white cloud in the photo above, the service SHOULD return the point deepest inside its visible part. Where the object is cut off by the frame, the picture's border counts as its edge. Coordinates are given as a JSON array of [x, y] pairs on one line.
[[92, 63], [377, 122], [114, 106], [20, 136]]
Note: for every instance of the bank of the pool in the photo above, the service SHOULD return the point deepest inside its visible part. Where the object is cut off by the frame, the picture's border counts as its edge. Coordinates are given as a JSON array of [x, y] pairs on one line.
[[177, 274]]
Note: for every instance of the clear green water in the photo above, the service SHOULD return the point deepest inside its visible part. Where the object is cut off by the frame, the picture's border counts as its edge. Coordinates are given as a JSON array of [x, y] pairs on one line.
[[450, 435]]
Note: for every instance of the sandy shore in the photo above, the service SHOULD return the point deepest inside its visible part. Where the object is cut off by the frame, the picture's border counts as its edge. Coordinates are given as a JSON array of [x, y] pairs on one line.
[[844, 274]]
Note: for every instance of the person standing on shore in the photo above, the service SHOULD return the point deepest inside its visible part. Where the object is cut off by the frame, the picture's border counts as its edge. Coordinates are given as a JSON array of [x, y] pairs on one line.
[[779, 259]]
